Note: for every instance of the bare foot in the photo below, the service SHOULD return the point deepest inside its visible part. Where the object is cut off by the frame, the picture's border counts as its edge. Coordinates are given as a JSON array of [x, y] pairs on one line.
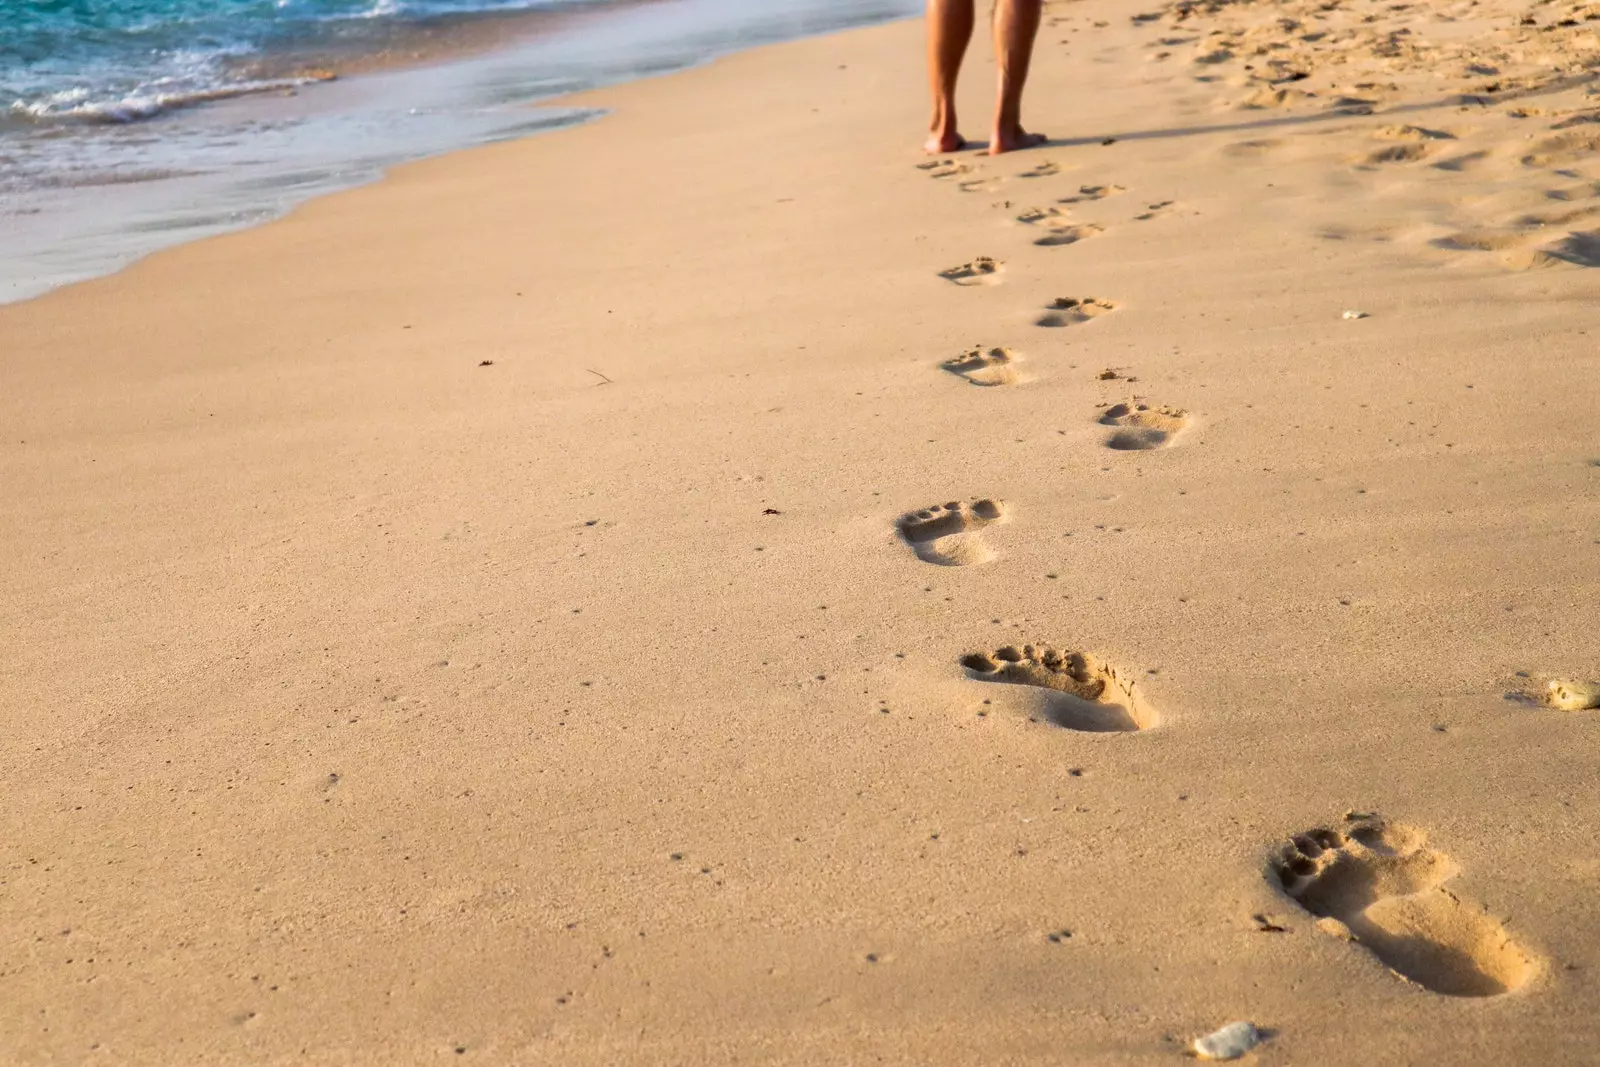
[[1015, 141], [938, 143]]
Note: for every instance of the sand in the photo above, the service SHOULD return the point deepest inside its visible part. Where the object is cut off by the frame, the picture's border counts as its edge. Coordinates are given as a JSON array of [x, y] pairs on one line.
[[471, 620]]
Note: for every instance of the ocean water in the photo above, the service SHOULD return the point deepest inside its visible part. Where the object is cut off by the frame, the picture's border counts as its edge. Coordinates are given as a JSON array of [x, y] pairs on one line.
[[125, 60], [130, 125]]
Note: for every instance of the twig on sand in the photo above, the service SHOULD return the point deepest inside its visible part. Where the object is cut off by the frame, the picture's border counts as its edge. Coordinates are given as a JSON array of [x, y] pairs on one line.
[[603, 379]]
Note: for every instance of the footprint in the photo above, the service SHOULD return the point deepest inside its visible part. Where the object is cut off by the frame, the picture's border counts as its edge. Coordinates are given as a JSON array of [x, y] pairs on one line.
[[981, 271], [1411, 133], [1269, 97], [944, 168], [1040, 214], [1482, 240], [1399, 153], [1141, 427], [980, 366], [1376, 884], [1042, 169], [1071, 310], [1087, 193], [1565, 148], [1069, 235], [1083, 692], [1154, 211], [948, 534]]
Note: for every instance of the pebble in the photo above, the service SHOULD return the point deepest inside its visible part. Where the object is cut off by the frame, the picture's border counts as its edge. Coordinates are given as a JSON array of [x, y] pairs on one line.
[[1229, 1043], [1355, 314]]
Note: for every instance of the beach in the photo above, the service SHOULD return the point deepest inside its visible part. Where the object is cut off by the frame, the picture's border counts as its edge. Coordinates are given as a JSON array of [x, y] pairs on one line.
[[712, 585]]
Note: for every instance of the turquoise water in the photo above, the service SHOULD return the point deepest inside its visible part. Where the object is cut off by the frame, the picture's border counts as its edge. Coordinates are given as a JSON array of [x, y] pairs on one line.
[[127, 126], [125, 60]]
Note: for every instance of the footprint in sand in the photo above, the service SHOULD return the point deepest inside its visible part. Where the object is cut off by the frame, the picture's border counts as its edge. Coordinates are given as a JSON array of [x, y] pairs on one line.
[[1574, 146], [1412, 134], [1080, 691], [943, 168], [985, 366], [1141, 427], [1072, 310], [1576, 249], [1042, 169], [981, 271], [1040, 214], [1068, 234], [1483, 240], [1376, 884], [1088, 193], [1155, 210], [1398, 153], [1269, 97], [949, 535]]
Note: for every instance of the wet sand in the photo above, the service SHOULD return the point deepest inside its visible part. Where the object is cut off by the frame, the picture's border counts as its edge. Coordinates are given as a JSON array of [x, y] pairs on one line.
[[706, 586]]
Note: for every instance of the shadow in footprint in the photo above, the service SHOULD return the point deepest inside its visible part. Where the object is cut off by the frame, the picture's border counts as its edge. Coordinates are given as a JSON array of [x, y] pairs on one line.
[[1141, 427], [1582, 249], [948, 534], [1079, 692], [1377, 884]]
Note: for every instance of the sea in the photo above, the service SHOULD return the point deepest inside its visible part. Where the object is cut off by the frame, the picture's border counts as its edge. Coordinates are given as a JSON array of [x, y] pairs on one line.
[[127, 126]]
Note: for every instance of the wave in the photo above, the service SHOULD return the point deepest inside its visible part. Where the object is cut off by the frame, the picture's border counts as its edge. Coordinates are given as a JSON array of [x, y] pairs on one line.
[[130, 60], [74, 105]]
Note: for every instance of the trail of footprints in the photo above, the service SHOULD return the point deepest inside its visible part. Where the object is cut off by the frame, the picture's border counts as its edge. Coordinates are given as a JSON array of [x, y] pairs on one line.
[[1370, 882]]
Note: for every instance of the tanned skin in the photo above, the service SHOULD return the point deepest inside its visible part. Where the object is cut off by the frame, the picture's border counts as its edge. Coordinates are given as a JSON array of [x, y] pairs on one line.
[[950, 23]]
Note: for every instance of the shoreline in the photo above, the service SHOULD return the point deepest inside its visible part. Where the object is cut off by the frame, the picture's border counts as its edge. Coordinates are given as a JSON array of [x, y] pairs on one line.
[[246, 157], [514, 611]]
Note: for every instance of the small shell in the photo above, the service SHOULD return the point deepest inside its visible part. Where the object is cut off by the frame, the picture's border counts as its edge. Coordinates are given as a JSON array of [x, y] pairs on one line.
[[1229, 1043], [1355, 314], [1575, 696]]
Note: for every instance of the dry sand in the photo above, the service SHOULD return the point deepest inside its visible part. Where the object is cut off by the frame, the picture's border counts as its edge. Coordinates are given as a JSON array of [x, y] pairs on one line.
[[471, 620]]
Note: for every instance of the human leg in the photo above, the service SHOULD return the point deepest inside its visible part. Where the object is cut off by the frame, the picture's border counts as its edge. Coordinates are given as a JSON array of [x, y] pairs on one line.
[[950, 25], [1016, 25]]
